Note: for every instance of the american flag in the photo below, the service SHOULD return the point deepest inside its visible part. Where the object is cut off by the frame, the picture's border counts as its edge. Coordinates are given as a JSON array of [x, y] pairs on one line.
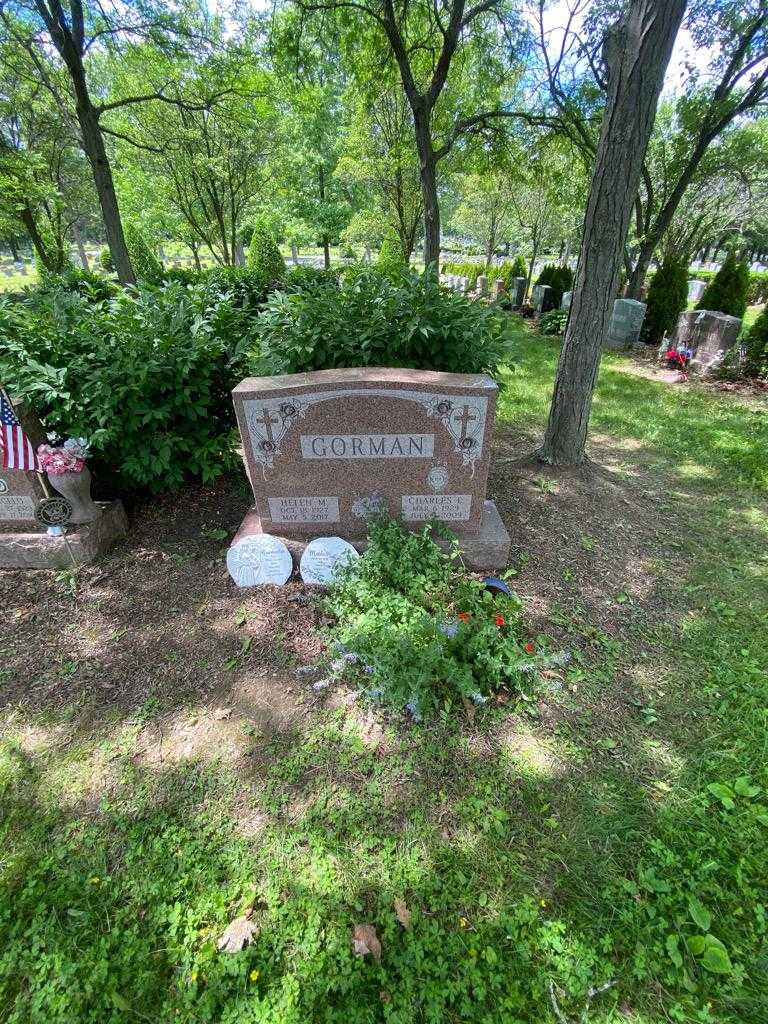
[[17, 451]]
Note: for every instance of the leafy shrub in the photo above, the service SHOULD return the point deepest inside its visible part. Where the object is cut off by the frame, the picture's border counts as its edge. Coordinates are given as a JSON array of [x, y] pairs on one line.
[[391, 259], [374, 321], [667, 298], [105, 259], [185, 275], [727, 293], [756, 362], [264, 257], [553, 322], [146, 375], [87, 283], [559, 279], [303, 278], [415, 631]]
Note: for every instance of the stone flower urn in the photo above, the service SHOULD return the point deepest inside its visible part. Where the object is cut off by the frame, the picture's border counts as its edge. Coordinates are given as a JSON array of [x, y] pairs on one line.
[[76, 488]]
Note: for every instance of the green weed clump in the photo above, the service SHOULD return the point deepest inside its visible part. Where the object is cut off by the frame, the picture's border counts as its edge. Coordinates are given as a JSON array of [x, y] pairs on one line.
[[416, 632]]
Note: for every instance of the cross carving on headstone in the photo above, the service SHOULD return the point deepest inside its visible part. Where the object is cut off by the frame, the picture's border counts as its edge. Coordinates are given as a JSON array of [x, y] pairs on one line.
[[267, 421], [465, 419]]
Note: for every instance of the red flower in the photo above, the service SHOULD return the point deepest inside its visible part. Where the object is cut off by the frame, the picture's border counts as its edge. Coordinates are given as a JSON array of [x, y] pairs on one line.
[[529, 648], [500, 621], [464, 616]]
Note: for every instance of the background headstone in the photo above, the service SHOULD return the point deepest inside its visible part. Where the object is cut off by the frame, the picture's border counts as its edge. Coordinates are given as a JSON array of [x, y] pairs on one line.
[[254, 561], [323, 557], [626, 323], [482, 285], [541, 298], [709, 335], [499, 288], [695, 290], [566, 303], [517, 291]]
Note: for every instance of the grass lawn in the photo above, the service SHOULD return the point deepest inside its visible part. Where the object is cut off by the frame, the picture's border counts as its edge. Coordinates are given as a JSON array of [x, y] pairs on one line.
[[163, 769]]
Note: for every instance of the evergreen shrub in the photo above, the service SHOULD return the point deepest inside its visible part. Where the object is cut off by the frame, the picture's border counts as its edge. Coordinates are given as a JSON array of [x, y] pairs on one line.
[[391, 259], [666, 300], [146, 266], [756, 362], [727, 292], [264, 257]]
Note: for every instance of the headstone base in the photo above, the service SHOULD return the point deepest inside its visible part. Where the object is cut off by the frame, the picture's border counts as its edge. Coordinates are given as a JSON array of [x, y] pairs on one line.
[[39, 550], [487, 549]]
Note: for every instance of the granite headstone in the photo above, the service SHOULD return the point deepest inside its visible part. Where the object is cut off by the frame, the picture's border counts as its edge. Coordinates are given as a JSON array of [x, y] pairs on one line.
[[709, 335], [695, 290], [626, 323], [336, 446]]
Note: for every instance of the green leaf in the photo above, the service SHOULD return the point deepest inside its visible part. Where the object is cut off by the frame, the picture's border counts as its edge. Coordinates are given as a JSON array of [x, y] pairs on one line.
[[715, 958], [723, 793], [743, 787], [696, 944], [673, 951], [699, 913]]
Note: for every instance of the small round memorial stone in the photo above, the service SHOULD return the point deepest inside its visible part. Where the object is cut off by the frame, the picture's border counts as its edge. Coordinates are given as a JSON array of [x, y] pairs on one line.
[[323, 556], [256, 560]]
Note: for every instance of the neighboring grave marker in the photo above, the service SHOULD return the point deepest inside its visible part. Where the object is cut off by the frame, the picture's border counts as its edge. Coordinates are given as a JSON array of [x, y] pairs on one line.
[[257, 560], [323, 557], [626, 323], [335, 446], [710, 336], [695, 290]]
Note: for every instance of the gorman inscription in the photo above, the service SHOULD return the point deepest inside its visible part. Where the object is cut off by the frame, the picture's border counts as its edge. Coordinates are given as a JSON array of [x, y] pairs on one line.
[[367, 446]]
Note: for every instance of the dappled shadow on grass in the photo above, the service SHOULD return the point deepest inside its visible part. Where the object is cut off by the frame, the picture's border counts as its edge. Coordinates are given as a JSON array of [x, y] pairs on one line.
[[514, 873]]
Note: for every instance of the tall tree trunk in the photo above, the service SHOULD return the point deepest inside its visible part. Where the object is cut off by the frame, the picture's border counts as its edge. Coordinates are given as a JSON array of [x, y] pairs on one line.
[[294, 253], [46, 257], [14, 250], [93, 144], [637, 51], [326, 240], [634, 289], [195, 247], [428, 167]]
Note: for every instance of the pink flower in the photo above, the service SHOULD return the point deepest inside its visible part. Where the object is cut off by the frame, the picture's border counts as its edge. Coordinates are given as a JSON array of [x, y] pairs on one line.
[[58, 460]]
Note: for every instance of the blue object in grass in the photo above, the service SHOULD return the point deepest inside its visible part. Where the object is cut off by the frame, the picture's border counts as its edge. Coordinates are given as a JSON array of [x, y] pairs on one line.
[[496, 586]]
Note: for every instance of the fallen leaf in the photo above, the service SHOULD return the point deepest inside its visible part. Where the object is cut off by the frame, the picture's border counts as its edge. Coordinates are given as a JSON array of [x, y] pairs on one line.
[[365, 940], [238, 934], [402, 913]]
